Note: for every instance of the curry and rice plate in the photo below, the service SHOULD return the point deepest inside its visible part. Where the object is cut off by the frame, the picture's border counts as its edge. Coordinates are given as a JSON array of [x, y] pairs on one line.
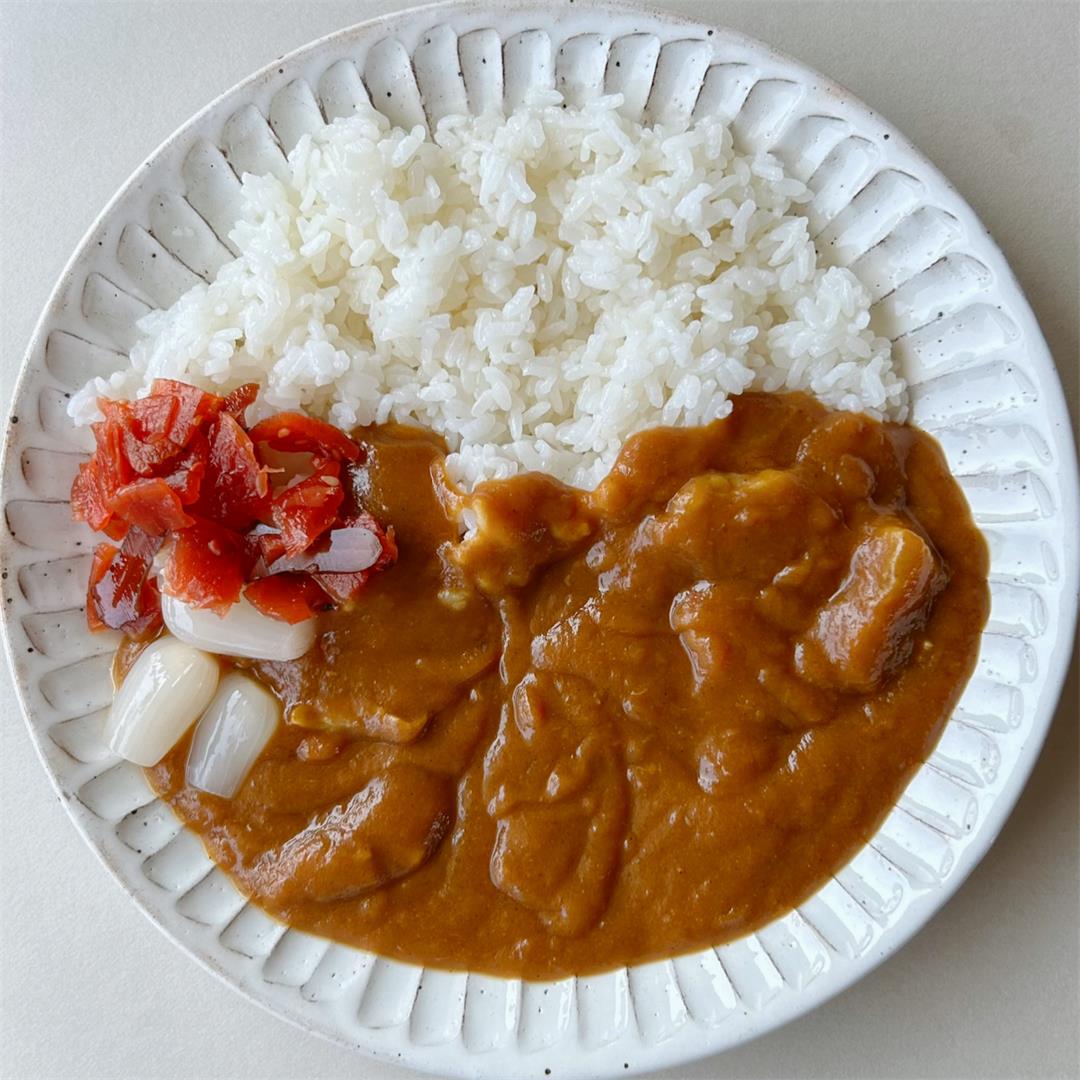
[[526, 523]]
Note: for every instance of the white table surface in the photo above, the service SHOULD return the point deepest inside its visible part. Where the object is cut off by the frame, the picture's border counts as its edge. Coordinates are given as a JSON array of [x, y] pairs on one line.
[[989, 91]]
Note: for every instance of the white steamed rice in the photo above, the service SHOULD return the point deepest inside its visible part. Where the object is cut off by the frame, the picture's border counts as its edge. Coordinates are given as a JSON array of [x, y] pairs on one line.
[[536, 288]]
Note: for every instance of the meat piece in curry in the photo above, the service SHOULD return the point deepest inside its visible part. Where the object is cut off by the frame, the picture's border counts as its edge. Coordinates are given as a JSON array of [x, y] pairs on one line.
[[864, 631], [573, 730]]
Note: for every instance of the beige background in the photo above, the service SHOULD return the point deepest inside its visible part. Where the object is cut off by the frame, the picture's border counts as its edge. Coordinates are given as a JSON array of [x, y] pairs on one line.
[[988, 90]]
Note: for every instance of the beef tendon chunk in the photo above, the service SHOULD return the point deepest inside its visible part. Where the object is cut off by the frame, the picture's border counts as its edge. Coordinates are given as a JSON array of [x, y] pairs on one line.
[[388, 829], [863, 633]]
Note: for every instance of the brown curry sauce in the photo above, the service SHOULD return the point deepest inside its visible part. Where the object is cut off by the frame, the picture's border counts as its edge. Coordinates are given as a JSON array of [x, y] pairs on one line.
[[609, 727]]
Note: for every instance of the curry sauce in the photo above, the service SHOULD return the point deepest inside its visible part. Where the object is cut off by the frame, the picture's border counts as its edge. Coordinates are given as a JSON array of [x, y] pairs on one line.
[[574, 730]]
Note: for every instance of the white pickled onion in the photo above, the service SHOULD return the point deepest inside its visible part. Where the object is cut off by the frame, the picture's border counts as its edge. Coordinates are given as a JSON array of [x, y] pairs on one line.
[[167, 688], [241, 631], [351, 549], [231, 734]]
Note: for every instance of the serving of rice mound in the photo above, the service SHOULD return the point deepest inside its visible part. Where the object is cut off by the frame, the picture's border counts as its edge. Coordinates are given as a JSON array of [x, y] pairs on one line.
[[536, 288]]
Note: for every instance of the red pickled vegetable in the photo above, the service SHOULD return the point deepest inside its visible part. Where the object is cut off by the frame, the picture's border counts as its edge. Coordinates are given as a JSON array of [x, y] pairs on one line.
[[271, 546], [147, 424], [179, 463], [159, 426], [149, 620], [107, 471], [194, 408], [289, 597], [91, 495], [208, 566], [237, 402], [296, 433], [188, 469], [306, 509], [121, 595], [235, 490], [151, 505], [110, 437], [103, 557]]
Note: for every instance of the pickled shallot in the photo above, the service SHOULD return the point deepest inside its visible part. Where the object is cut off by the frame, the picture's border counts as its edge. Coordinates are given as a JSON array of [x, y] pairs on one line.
[[242, 630], [162, 695], [231, 734]]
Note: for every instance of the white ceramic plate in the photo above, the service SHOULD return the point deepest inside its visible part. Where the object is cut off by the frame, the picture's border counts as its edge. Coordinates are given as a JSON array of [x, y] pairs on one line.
[[982, 382]]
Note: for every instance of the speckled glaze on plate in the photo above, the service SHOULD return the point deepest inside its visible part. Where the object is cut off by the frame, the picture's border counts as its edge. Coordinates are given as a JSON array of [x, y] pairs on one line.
[[982, 382]]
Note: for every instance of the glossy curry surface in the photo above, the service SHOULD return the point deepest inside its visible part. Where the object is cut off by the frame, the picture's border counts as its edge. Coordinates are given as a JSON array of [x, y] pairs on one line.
[[607, 727]]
